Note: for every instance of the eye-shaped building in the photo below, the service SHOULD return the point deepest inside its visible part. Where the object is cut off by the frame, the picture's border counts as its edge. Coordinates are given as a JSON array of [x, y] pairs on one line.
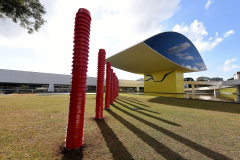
[[162, 59]]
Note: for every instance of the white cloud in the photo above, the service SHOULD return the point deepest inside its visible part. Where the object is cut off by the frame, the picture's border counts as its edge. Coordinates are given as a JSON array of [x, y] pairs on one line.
[[197, 33], [180, 55], [189, 67], [227, 66], [196, 67], [227, 34], [230, 61], [12, 30], [185, 56], [188, 58], [153, 12], [181, 47], [202, 65], [115, 26], [209, 2]]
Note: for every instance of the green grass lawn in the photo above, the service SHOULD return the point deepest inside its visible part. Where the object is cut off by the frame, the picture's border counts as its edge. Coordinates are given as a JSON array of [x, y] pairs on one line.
[[136, 127], [229, 90]]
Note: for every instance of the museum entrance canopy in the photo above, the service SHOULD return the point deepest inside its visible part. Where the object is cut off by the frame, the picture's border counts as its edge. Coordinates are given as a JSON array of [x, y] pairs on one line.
[[164, 51], [162, 59]]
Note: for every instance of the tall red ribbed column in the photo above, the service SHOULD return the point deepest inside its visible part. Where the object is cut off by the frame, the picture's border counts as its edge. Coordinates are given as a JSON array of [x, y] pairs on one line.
[[111, 89], [116, 94], [79, 75], [114, 87], [100, 84], [118, 88], [108, 86]]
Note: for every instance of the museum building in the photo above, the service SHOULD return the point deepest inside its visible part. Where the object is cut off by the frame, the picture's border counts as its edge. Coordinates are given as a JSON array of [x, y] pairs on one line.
[[25, 81]]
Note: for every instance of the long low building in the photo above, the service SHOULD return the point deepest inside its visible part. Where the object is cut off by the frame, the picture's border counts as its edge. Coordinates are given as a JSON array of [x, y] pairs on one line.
[[13, 80]]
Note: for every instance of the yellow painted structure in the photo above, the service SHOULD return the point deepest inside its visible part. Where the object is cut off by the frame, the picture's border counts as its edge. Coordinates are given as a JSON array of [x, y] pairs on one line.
[[164, 83]]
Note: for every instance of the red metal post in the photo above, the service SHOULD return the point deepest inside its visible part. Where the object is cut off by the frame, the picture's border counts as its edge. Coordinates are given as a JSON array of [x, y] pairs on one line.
[[111, 93], [114, 85], [100, 84], [74, 135], [118, 88], [108, 86]]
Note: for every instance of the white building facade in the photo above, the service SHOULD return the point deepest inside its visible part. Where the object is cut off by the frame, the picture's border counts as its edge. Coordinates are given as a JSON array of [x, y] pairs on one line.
[[237, 76], [13, 80]]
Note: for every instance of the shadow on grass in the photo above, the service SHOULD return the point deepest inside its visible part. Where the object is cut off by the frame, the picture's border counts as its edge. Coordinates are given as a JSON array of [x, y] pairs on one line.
[[72, 154], [206, 151], [198, 104], [132, 98], [131, 103], [149, 115], [135, 100], [114, 144], [152, 142]]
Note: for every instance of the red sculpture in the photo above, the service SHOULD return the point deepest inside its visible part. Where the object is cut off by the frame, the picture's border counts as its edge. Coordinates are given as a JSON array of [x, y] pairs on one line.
[[114, 86], [117, 87], [74, 135], [108, 86], [111, 89], [100, 84]]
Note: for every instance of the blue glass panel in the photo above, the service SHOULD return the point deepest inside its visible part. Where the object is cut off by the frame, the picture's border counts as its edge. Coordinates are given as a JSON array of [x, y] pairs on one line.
[[177, 48]]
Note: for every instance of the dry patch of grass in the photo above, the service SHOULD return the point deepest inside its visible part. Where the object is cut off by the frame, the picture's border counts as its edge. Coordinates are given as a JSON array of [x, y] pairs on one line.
[[136, 127]]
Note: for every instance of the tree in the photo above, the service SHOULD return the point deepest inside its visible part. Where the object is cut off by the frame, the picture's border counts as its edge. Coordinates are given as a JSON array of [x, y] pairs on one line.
[[188, 79], [203, 79], [230, 79], [27, 12]]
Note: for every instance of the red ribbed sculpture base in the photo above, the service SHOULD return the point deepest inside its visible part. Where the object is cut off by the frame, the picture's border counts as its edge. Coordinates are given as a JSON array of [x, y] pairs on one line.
[[100, 84], [79, 75]]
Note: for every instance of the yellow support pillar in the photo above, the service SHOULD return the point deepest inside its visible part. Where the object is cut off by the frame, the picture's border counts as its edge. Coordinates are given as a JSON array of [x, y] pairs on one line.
[[167, 83]]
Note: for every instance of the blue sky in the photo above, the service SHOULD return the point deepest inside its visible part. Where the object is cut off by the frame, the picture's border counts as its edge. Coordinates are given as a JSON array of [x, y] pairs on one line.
[[212, 25]]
